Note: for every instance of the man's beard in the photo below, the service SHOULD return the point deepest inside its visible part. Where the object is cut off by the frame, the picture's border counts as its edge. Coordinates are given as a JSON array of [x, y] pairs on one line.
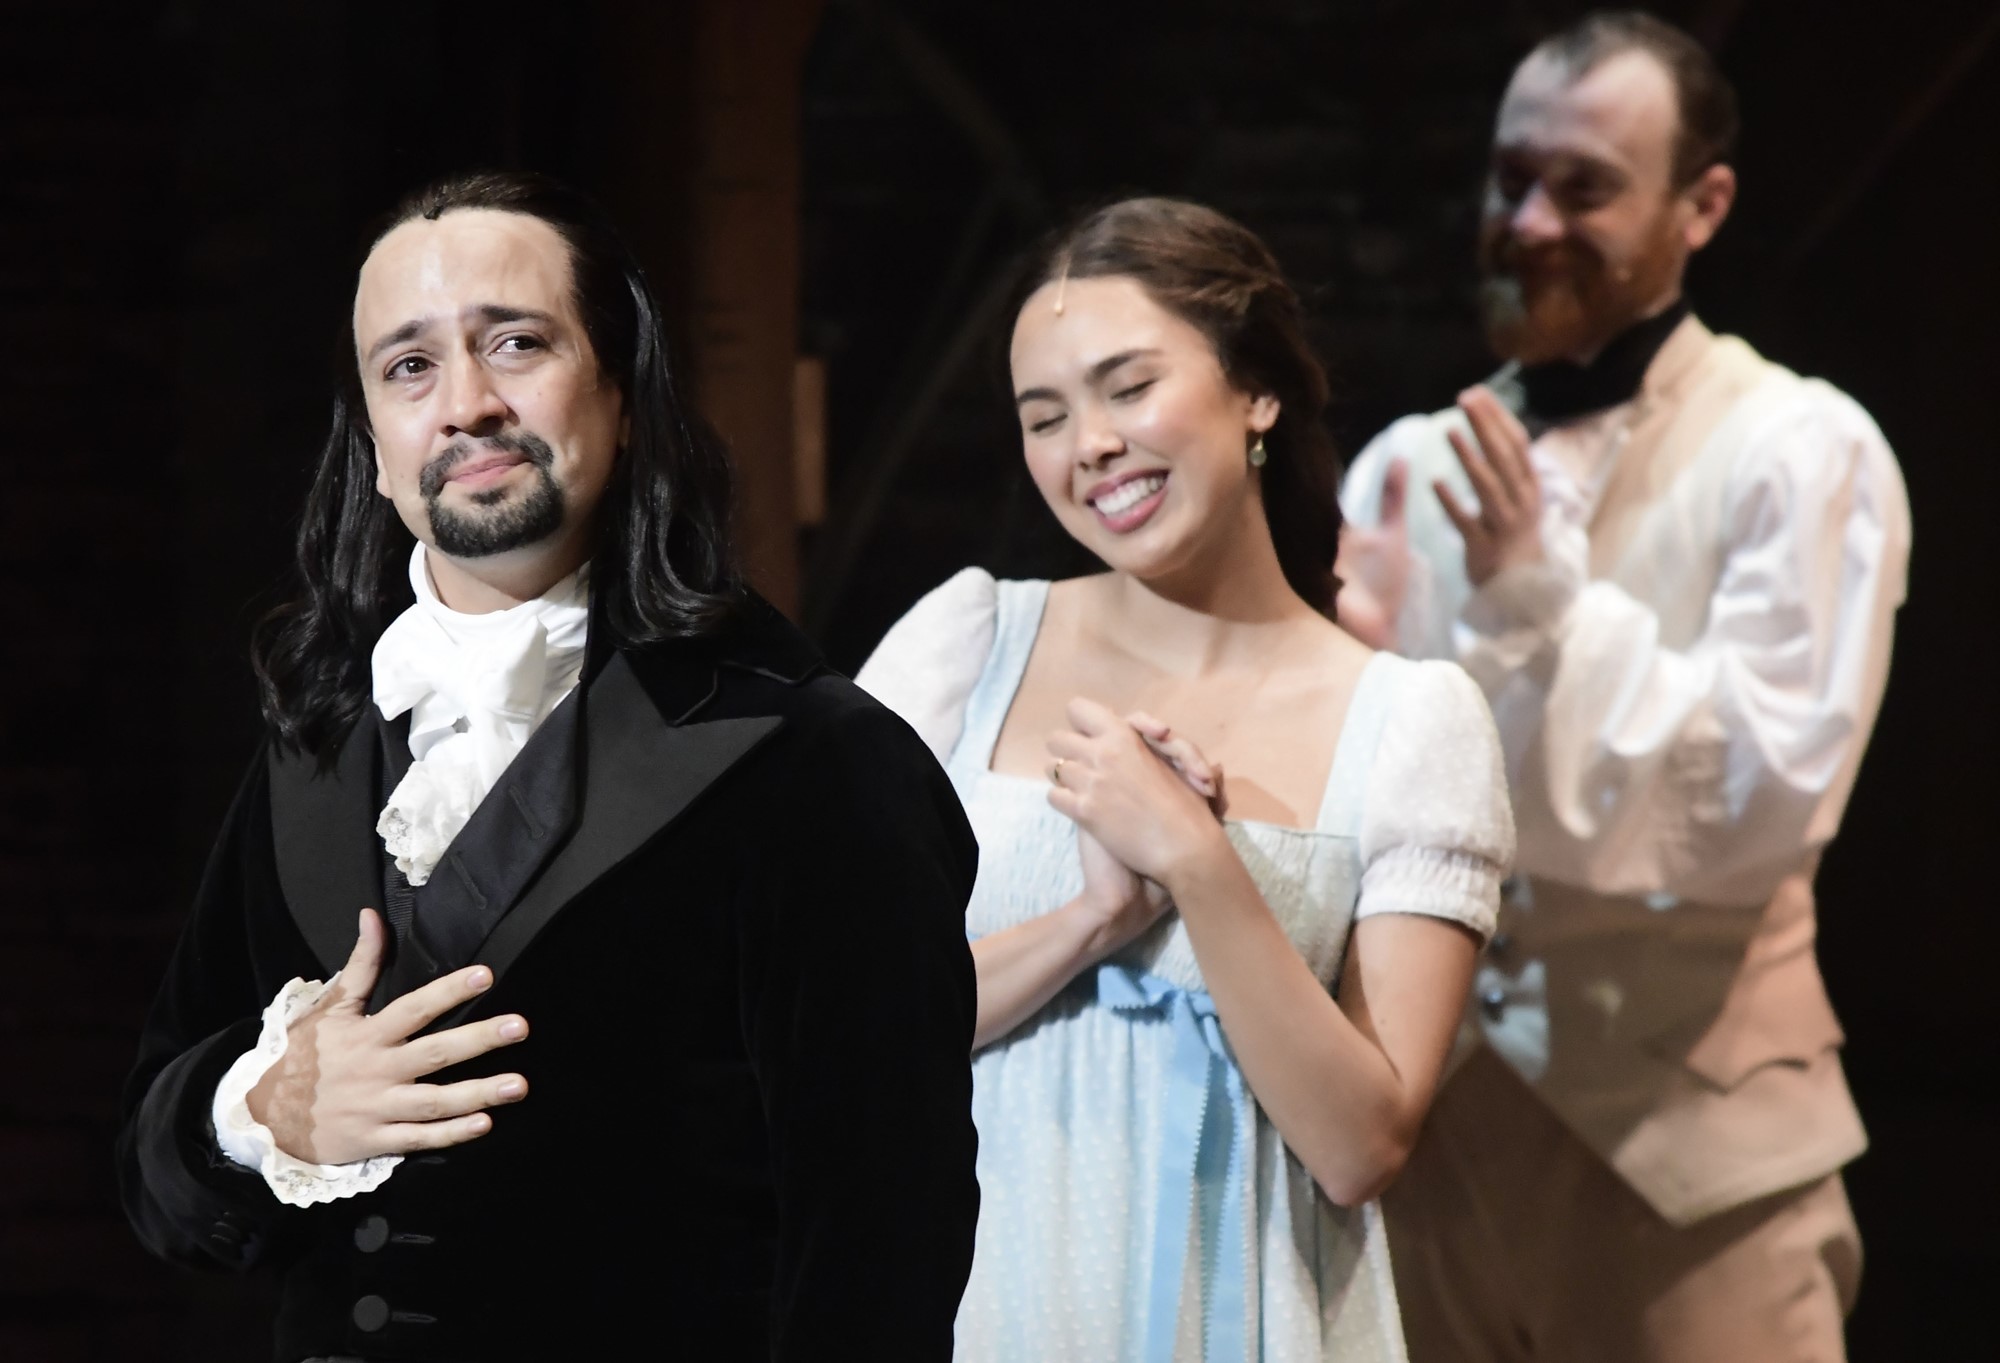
[[493, 524], [1556, 302]]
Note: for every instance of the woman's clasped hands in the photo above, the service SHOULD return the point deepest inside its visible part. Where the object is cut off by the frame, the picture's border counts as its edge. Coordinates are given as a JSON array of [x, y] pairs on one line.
[[1146, 803]]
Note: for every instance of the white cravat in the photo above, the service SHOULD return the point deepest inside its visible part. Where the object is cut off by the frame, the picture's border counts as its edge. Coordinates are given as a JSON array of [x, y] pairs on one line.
[[476, 687]]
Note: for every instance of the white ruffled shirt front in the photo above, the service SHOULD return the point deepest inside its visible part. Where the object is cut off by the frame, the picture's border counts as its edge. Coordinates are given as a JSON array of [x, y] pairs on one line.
[[476, 687], [1634, 749]]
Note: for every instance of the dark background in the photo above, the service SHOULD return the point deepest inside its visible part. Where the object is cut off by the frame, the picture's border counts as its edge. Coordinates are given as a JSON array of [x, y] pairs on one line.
[[181, 191]]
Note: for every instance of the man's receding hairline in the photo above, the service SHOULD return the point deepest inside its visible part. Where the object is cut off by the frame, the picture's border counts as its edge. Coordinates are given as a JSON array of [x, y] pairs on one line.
[[1574, 72], [1707, 120], [439, 212], [568, 246], [575, 291]]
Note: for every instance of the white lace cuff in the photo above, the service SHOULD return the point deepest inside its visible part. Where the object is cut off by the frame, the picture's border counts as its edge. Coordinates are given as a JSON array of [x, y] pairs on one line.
[[249, 1142]]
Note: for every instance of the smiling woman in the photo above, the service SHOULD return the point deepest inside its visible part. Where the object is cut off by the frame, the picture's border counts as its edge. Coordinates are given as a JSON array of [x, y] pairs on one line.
[[1204, 1043], [1179, 295]]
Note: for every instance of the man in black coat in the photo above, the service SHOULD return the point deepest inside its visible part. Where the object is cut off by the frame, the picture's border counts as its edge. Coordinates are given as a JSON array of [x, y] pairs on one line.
[[659, 1044]]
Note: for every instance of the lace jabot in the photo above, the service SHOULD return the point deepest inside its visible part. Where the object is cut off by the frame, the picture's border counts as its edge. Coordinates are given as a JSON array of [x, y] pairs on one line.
[[475, 687]]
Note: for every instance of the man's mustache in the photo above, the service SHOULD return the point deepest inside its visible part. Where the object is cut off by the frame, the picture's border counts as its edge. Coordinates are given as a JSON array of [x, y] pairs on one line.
[[528, 445], [1509, 256]]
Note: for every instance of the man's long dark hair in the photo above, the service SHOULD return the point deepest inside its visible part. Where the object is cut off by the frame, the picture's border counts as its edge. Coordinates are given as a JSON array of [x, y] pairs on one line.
[[664, 565]]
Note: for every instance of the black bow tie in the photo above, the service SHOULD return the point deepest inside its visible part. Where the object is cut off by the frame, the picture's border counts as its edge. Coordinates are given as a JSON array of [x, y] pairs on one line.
[[1557, 391]]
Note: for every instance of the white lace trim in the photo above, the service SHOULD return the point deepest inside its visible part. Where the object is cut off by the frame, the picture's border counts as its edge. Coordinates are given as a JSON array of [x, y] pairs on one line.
[[434, 800], [475, 688], [243, 1138]]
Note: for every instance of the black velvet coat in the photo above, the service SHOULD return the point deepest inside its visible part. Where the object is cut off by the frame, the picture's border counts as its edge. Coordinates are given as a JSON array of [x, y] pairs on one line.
[[727, 891]]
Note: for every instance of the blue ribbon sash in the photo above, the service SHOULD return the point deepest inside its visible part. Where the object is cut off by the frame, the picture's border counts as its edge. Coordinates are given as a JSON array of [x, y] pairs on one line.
[[1205, 1156]]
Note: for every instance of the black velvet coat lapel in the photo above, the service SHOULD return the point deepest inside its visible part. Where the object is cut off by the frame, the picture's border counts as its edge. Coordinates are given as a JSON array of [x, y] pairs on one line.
[[640, 773], [613, 766], [498, 853], [327, 872]]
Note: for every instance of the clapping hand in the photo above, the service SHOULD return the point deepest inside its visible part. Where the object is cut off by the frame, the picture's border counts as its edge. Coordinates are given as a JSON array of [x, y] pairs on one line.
[[1374, 566], [1506, 530]]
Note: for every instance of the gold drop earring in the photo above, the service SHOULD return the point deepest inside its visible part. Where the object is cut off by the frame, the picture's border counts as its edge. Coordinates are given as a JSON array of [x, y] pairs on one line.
[[1258, 454]]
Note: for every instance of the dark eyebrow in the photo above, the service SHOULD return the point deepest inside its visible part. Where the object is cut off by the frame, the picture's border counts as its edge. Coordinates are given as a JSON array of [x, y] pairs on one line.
[[409, 331], [492, 314], [1097, 373], [495, 313]]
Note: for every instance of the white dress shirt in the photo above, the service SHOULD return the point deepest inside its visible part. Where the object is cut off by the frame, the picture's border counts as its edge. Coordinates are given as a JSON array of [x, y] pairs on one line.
[[1712, 756]]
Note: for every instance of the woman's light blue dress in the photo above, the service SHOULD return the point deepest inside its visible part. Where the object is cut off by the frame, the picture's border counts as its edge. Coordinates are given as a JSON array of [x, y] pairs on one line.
[[1136, 1203]]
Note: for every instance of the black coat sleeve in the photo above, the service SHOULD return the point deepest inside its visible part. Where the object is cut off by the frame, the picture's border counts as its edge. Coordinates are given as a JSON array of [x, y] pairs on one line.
[[859, 1012], [189, 1202]]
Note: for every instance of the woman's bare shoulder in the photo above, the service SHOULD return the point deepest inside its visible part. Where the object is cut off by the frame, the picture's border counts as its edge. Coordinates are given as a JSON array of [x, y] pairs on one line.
[[1077, 594], [1318, 648]]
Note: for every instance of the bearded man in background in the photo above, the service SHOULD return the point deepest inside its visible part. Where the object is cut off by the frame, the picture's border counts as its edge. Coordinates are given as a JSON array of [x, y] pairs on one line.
[[1673, 567]]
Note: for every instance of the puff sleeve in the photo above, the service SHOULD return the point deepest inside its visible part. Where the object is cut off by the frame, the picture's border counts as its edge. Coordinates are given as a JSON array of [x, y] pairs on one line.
[[1437, 833], [928, 663]]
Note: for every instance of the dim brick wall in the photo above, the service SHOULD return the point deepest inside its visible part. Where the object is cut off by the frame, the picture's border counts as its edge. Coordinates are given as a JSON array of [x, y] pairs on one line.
[[184, 187], [87, 288], [178, 276], [1349, 136]]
